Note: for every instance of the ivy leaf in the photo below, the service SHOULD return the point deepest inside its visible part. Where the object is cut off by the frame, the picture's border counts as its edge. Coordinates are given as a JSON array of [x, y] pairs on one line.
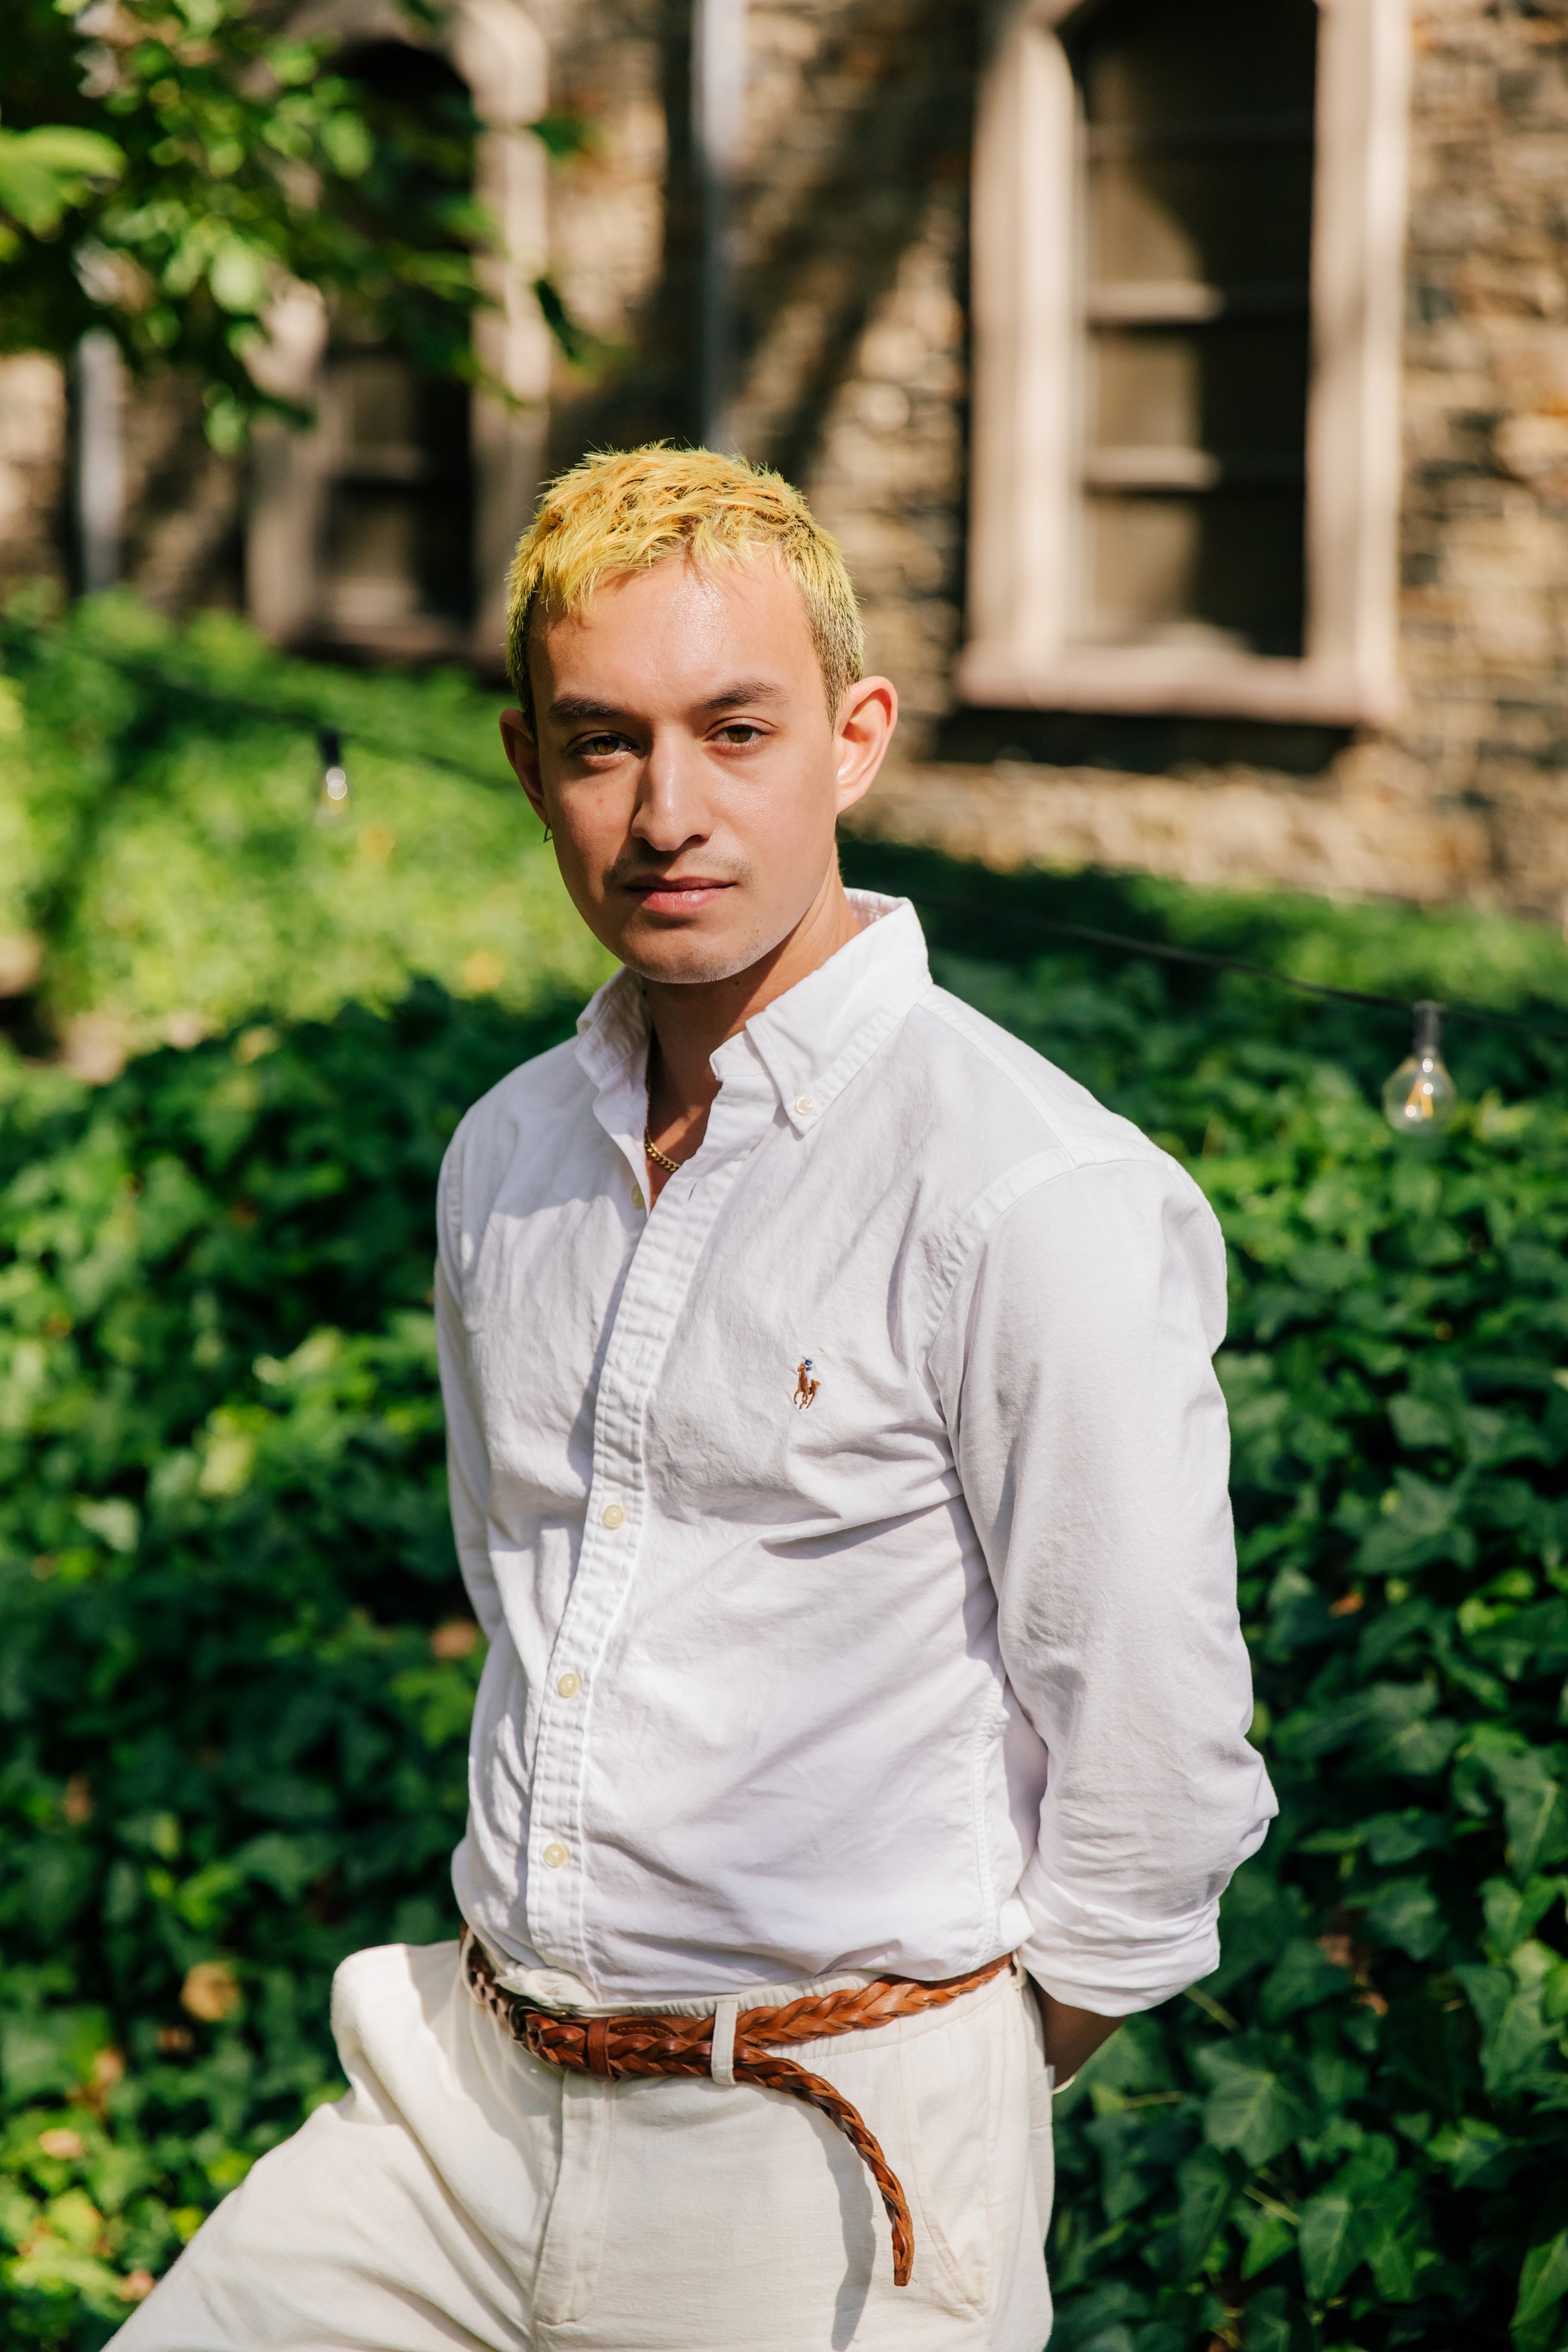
[[1267, 2322], [1330, 2241], [1407, 1913], [1535, 1809], [1542, 2283], [1269, 2235], [1205, 2188], [1512, 1912], [1251, 2108], [1468, 2147], [1394, 2243], [1303, 1975], [1519, 2053]]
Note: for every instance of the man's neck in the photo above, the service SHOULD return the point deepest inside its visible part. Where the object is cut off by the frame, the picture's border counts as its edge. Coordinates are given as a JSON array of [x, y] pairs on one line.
[[691, 1023]]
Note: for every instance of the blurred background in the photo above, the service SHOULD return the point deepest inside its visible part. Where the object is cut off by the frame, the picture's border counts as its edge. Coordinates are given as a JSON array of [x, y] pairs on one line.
[[1187, 382]]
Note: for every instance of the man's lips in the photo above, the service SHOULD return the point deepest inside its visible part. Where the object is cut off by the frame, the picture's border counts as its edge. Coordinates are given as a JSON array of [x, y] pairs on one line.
[[676, 894]]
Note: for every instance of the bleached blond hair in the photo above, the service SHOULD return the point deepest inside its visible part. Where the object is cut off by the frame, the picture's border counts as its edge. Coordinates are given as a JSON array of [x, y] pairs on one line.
[[625, 510]]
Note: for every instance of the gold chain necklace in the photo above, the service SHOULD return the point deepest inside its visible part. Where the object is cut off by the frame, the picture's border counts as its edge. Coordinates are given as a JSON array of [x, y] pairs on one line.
[[660, 1159]]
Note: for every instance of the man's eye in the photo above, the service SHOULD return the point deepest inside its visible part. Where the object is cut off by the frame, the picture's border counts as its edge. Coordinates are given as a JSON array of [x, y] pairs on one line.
[[740, 732], [599, 747]]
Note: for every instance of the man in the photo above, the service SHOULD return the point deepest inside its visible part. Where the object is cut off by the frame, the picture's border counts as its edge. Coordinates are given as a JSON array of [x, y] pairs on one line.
[[839, 1473]]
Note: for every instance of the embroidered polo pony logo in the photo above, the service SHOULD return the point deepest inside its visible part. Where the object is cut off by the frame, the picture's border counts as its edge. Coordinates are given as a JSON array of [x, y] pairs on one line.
[[805, 1387]]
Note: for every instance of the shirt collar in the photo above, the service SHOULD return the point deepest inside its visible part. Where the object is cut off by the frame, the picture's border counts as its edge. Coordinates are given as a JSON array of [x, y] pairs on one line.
[[811, 1041]]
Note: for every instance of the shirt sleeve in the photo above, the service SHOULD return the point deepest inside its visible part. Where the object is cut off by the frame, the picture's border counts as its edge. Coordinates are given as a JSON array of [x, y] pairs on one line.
[[1075, 1364], [468, 1460]]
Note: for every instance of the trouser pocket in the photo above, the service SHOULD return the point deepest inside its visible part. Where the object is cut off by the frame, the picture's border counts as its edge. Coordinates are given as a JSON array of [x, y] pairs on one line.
[[574, 2241]]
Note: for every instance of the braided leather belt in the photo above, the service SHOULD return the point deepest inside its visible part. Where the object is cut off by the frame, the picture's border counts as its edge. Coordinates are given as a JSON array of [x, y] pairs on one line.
[[640, 2044]]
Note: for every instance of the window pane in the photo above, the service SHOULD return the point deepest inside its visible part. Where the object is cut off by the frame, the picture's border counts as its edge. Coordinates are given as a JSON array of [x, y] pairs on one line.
[[1233, 390], [1143, 61], [400, 513], [1232, 216], [1221, 569]]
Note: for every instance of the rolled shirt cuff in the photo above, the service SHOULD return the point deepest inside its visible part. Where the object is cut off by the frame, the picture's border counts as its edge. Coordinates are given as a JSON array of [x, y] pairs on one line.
[[1103, 1960]]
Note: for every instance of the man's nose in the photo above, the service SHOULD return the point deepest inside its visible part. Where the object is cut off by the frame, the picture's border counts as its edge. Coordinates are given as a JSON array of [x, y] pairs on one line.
[[672, 801]]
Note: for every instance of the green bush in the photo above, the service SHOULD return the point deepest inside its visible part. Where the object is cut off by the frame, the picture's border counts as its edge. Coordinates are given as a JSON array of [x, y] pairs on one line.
[[235, 1665], [1355, 2132], [160, 842], [235, 1662]]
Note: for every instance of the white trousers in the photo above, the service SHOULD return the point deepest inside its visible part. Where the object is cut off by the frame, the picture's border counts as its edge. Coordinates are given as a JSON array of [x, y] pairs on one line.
[[465, 2194]]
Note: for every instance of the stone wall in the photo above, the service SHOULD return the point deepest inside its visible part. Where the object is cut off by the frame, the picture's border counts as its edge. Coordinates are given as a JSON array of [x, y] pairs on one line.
[[851, 230], [853, 226]]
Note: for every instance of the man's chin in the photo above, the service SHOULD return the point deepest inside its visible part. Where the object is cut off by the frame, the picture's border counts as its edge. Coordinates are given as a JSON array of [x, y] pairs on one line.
[[688, 962], [696, 954]]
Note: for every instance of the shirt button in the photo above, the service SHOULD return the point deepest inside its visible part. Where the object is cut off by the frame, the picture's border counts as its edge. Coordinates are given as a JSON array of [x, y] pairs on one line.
[[612, 1516], [804, 1106], [637, 1196], [570, 1685], [554, 1855]]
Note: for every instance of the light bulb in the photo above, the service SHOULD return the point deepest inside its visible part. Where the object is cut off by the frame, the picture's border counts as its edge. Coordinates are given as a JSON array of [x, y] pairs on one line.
[[334, 800], [1420, 1099]]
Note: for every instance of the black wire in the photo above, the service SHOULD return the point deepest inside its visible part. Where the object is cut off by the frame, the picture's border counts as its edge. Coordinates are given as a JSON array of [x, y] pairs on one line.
[[148, 673], [1170, 954], [280, 714]]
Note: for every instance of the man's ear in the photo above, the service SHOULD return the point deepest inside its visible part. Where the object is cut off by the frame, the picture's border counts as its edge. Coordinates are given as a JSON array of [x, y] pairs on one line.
[[523, 752], [867, 718]]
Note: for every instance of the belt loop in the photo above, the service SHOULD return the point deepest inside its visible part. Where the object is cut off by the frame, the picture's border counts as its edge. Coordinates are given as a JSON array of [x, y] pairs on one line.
[[725, 2011]]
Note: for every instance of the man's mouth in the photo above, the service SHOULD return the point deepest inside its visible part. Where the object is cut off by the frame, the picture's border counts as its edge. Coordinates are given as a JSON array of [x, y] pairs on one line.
[[675, 894]]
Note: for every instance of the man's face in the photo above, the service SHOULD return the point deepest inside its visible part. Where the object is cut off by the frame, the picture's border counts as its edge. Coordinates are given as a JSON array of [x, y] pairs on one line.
[[688, 765]]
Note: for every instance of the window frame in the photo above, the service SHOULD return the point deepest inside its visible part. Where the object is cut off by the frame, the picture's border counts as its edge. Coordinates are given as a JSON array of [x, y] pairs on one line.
[[1027, 345], [498, 50]]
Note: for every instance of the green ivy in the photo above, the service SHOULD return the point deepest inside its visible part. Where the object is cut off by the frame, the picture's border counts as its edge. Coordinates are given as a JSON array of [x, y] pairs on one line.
[[235, 1667], [1355, 2133]]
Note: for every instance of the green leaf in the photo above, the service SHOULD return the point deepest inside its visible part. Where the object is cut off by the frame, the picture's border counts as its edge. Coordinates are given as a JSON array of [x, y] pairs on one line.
[[46, 171], [1251, 2108], [1406, 1913], [1468, 2147], [1542, 2283], [1204, 2192], [1269, 2235], [1303, 1976], [1512, 1912], [1519, 2054], [1330, 2241], [1267, 2322], [1393, 1838], [1394, 2241], [1535, 1808]]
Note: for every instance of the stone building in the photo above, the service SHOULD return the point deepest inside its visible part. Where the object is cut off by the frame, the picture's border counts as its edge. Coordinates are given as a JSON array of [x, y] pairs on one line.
[[1187, 382]]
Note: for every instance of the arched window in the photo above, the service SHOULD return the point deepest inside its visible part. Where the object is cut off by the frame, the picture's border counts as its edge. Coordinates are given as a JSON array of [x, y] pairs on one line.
[[387, 529], [1187, 246]]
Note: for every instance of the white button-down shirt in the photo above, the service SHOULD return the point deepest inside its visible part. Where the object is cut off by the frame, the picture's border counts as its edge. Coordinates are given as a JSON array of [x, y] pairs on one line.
[[850, 1531]]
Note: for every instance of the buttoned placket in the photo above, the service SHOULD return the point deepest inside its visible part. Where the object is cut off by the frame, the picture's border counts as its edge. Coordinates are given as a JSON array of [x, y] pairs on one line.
[[665, 1257]]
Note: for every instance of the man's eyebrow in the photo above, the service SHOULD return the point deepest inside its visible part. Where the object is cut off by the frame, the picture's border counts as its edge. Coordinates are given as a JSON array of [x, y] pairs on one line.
[[578, 710], [571, 709], [748, 691]]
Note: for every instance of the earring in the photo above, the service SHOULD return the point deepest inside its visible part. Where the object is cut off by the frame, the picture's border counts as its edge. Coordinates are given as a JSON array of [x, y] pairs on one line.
[[548, 835]]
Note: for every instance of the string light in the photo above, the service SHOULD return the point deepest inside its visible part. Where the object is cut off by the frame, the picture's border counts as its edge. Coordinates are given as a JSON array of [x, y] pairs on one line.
[[1420, 1098], [334, 800], [1437, 1098]]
